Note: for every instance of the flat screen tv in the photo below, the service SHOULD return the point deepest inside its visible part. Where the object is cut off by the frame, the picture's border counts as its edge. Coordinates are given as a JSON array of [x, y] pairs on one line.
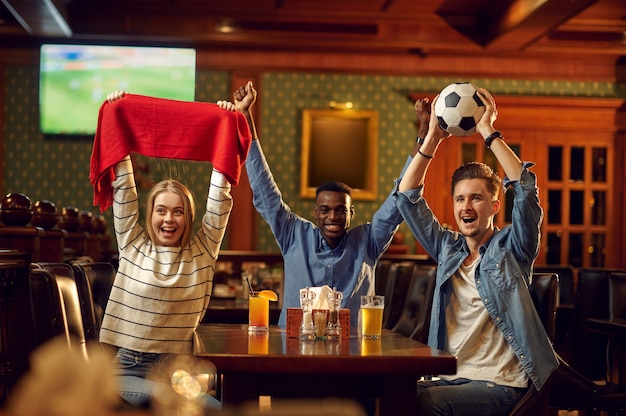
[[75, 80]]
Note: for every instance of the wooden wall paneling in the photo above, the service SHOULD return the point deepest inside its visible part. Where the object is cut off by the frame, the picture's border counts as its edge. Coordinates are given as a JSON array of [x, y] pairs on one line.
[[532, 150], [437, 185], [3, 80], [242, 225], [599, 69], [618, 189]]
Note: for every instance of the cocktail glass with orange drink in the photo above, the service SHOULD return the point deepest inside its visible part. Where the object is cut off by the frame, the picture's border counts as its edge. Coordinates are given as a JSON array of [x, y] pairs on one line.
[[371, 316], [259, 310]]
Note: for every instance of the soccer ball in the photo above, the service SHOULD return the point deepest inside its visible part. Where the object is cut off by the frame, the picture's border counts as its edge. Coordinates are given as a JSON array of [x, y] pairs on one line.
[[459, 108]]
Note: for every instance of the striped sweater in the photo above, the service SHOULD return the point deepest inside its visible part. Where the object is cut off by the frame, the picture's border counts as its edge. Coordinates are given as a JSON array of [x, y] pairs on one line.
[[161, 294]]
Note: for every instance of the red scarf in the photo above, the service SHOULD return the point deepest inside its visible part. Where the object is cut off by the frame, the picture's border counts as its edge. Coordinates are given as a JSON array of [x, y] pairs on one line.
[[157, 127]]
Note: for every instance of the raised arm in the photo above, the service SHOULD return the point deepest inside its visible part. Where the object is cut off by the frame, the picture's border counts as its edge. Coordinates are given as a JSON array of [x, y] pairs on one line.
[[416, 172], [244, 98], [509, 161], [422, 112]]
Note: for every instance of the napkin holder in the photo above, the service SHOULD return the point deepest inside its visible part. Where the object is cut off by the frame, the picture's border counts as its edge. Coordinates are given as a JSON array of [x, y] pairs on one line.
[[294, 319]]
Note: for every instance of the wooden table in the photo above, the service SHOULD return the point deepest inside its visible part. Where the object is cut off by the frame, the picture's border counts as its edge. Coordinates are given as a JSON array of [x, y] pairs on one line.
[[277, 366]]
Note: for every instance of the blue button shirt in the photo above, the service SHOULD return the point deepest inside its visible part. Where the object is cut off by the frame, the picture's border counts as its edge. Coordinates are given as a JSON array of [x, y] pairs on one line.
[[502, 276], [308, 260]]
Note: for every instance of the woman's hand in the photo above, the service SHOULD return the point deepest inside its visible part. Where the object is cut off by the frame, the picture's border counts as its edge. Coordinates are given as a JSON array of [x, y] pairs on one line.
[[116, 95], [226, 105]]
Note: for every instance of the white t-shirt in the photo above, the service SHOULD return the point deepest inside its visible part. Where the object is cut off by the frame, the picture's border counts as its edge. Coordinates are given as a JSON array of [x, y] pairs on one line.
[[481, 350]]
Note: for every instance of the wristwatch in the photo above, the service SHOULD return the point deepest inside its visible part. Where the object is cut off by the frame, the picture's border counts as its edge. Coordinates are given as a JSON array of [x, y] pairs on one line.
[[491, 137]]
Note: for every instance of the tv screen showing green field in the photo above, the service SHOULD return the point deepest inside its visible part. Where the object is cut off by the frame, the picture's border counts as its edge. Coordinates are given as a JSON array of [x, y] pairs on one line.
[[75, 80]]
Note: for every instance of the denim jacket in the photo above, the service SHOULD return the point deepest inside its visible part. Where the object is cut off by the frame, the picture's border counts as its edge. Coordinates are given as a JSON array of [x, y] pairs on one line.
[[502, 276]]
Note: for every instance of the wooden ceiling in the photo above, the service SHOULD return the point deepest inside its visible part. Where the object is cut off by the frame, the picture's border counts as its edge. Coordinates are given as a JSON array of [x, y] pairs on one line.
[[568, 28]]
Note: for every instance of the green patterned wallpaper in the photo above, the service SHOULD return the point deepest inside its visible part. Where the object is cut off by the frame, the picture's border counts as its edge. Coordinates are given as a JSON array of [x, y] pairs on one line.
[[57, 168]]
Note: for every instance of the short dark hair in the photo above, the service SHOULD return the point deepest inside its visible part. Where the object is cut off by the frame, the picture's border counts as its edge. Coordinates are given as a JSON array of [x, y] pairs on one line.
[[334, 186], [477, 170]]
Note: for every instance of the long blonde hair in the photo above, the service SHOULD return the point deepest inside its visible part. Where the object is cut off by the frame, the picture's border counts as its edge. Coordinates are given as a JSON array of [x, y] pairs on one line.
[[189, 207]]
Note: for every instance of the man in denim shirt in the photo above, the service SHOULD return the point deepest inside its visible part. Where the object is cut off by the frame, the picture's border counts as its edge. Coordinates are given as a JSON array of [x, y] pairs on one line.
[[482, 309], [325, 252]]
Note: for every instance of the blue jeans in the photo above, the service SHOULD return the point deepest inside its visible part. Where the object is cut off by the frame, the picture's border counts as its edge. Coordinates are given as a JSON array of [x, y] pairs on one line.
[[132, 371], [466, 397]]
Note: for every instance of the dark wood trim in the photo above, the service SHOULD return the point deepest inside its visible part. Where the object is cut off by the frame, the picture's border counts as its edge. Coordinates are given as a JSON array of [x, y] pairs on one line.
[[242, 226], [3, 98]]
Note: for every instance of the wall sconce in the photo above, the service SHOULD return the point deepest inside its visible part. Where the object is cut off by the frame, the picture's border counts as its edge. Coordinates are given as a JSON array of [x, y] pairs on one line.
[[348, 105]]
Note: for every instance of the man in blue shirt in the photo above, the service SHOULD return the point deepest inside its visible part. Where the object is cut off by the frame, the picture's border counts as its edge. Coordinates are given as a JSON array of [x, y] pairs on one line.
[[482, 310], [325, 252]]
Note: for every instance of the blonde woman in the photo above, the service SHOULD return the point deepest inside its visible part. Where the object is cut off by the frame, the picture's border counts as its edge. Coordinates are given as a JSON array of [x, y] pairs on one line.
[[165, 275]]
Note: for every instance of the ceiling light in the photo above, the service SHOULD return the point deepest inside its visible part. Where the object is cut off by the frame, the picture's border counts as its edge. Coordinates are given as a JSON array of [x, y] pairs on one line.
[[225, 26]]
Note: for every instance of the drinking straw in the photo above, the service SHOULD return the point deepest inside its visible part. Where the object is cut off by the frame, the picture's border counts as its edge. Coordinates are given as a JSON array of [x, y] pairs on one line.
[[250, 286]]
